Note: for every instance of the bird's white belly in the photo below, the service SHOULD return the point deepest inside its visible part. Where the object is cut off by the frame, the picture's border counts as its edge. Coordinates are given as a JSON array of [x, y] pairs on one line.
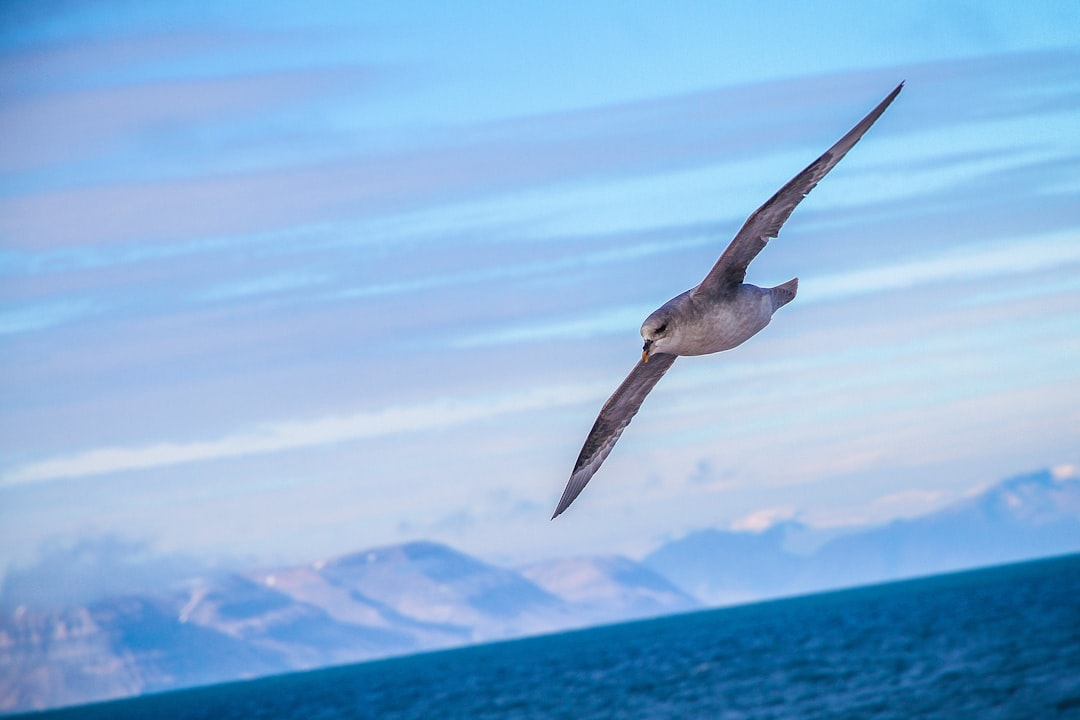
[[729, 324]]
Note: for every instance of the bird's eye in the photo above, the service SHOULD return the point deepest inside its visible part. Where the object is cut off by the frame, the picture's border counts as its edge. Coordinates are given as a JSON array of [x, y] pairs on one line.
[[660, 329]]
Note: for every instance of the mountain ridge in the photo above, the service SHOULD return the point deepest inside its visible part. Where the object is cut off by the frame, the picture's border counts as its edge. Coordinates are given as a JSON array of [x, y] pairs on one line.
[[423, 595], [1020, 518]]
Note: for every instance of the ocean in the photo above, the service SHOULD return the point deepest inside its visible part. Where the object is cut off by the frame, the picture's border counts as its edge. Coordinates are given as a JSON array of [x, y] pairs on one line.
[[1002, 642]]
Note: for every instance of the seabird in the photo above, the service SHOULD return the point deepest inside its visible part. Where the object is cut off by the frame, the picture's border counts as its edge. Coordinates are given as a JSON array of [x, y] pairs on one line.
[[719, 314]]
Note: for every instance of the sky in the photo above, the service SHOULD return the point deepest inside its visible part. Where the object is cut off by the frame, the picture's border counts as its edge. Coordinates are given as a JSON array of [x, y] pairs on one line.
[[282, 281]]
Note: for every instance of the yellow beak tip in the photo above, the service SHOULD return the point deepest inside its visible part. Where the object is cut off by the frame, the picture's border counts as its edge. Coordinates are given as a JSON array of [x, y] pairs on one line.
[[645, 356]]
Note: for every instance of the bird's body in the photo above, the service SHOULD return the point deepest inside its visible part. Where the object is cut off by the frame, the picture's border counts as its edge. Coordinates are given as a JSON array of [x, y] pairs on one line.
[[708, 325], [720, 313]]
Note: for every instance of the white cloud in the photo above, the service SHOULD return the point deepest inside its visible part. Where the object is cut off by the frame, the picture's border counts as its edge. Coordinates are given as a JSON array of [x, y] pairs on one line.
[[612, 320], [277, 437], [904, 504], [966, 263], [911, 501], [1043, 252], [40, 316], [764, 519], [264, 285], [1064, 472]]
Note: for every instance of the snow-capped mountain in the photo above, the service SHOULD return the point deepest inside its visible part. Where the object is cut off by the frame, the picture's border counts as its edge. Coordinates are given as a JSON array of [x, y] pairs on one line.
[[419, 596], [609, 588], [384, 601], [1026, 517]]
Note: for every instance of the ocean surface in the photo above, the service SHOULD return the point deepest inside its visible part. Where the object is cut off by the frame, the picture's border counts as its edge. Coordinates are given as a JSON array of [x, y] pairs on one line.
[[996, 643]]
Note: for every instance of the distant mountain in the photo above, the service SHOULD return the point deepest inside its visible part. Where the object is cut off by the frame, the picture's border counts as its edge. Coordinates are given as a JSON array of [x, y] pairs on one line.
[[1025, 517], [420, 596], [115, 648], [1022, 518], [295, 634], [721, 567], [435, 587], [609, 588], [379, 602]]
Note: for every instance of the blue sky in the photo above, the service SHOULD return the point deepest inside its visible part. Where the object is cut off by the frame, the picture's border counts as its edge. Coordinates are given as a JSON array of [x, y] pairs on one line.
[[283, 282]]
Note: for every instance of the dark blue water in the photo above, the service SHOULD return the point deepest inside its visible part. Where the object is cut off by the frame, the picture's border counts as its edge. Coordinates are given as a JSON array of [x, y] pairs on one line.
[[997, 643]]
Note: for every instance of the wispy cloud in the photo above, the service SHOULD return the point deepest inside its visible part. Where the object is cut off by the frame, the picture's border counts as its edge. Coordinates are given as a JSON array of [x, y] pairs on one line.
[[38, 131], [512, 270], [963, 263], [277, 437], [264, 285], [15, 262], [764, 519], [93, 568], [612, 320], [911, 501], [449, 164], [40, 316]]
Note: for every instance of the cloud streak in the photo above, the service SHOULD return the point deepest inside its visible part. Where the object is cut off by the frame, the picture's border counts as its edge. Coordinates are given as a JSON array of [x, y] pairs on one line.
[[450, 165], [38, 131], [41, 316], [965, 263], [295, 435], [1039, 253]]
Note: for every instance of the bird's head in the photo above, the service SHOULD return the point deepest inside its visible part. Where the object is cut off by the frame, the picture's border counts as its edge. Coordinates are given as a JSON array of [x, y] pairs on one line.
[[658, 331]]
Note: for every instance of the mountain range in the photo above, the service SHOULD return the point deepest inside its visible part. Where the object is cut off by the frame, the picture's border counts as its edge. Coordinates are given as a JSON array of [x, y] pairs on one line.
[[1026, 517], [422, 596]]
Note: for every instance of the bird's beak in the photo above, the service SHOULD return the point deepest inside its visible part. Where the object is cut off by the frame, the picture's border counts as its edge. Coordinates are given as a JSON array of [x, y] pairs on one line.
[[645, 351]]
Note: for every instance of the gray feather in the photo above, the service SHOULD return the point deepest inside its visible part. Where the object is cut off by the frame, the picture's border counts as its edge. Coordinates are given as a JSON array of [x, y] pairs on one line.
[[766, 221], [613, 419], [719, 314]]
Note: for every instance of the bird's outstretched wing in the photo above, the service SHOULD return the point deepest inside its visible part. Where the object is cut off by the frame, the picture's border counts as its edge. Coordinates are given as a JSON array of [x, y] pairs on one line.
[[613, 419], [730, 270]]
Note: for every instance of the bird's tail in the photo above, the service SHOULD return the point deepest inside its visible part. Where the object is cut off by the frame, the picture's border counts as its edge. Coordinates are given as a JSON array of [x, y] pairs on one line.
[[783, 294]]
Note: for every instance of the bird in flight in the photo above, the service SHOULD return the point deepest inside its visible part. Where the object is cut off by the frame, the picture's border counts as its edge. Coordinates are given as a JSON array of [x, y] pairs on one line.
[[719, 314]]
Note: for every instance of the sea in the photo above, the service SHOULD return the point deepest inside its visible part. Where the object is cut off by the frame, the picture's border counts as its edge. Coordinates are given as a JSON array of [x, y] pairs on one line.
[[1002, 642]]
